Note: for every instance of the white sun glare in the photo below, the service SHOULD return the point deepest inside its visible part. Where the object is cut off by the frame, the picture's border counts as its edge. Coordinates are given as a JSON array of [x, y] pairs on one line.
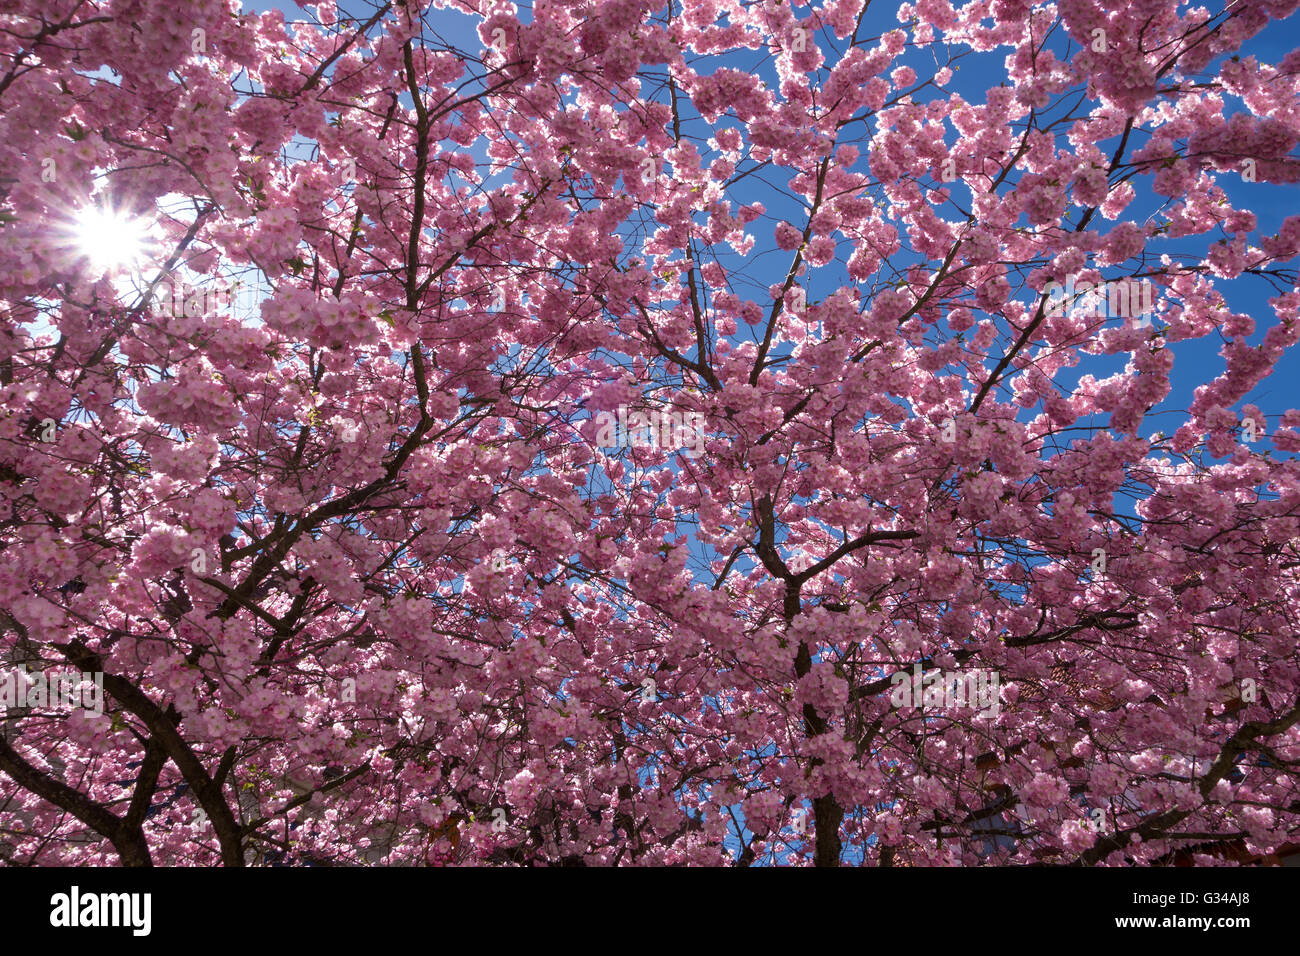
[[110, 239]]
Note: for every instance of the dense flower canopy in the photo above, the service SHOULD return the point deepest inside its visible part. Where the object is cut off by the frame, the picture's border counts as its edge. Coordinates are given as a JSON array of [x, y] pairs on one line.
[[363, 576]]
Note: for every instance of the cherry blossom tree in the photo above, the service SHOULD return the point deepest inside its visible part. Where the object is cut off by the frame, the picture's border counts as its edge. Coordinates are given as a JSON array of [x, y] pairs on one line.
[[313, 329]]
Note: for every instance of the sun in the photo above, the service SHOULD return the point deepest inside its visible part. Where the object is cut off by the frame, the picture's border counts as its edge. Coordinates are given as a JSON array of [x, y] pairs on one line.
[[111, 239]]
